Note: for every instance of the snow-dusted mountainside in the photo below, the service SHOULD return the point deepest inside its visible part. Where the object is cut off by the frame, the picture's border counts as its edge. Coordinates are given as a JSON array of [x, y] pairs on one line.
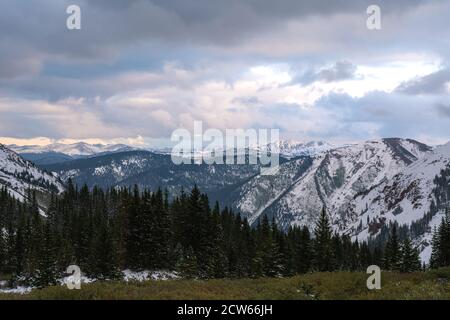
[[19, 175], [151, 170], [407, 195], [363, 186], [334, 180], [405, 198], [75, 149], [292, 149]]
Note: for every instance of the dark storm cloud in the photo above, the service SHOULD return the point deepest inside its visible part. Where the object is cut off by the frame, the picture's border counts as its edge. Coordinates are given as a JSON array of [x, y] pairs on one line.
[[340, 71], [434, 83], [124, 47]]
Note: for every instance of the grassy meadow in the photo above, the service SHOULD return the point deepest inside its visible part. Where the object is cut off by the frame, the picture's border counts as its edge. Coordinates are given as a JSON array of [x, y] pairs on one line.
[[314, 286]]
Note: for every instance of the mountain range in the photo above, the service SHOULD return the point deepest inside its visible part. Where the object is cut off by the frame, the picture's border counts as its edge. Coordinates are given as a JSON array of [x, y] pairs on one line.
[[364, 186]]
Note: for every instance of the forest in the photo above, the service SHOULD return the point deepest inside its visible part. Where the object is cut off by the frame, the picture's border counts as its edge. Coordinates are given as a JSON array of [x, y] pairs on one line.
[[105, 232]]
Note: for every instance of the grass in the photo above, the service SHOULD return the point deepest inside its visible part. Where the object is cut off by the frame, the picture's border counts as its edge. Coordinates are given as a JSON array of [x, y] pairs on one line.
[[331, 285]]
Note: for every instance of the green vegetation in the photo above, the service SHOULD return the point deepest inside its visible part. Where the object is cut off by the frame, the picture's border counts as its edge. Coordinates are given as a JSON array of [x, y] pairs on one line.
[[104, 232], [324, 285]]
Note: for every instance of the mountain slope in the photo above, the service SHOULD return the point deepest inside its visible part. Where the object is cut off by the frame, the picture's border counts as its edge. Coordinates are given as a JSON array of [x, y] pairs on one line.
[[405, 198], [19, 175], [291, 149], [334, 179], [363, 186], [151, 170]]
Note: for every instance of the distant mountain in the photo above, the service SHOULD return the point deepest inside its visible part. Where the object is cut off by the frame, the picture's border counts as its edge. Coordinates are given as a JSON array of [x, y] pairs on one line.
[[74, 149], [363, 186], [292, 149], [19, 175], [59, 152], [150, 170]]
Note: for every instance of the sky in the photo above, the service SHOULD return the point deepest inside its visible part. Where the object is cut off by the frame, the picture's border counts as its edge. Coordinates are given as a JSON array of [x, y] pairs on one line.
[[139, 69]]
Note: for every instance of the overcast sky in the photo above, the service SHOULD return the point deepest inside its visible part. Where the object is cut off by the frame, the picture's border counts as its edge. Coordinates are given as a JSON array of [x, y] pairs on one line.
[[139, 69]]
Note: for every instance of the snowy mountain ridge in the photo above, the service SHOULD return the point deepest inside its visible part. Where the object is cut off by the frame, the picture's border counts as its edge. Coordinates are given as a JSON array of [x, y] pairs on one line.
[[19, 175], [74, 149], [363, 186], [288, 148]]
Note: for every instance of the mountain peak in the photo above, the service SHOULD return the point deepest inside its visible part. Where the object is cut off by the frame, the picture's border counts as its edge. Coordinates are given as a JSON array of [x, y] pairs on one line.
[[73, 149]]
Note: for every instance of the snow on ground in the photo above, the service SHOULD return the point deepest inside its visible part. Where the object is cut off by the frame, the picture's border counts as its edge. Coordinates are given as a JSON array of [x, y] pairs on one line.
[[145, 275], [17, 290], [128, 276]]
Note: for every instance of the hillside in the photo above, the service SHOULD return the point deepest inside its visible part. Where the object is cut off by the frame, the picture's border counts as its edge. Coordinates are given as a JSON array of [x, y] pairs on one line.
[[363, 186], [19, 175]]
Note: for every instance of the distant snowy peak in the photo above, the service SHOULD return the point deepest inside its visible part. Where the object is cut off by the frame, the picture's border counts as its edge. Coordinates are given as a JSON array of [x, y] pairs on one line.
[[292, 149], [19, 175], [74, 149]]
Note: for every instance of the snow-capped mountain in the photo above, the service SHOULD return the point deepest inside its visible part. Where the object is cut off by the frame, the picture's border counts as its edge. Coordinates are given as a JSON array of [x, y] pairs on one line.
[[333, 180], [75, 149], [292, 149], [150, 170], [363, 186], [405, 198], [19, 175]]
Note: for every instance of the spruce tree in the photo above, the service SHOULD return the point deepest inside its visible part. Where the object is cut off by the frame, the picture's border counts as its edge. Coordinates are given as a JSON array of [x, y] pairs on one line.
[[410, 260], [3, 260], [305, 253], [392, 253], [47, 271], [105, 263], [187, 265], [435, 259], [323, 252]]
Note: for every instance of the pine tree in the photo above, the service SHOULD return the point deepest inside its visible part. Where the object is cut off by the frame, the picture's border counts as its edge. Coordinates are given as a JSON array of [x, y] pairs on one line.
[[3, 260], [392, 252], [47, 272], [134, 239], [218, 260], [410, 260], [435, 260], [106, 231], [323, 252], [187, 265], [105, 264], [444, 241], [305, 253]]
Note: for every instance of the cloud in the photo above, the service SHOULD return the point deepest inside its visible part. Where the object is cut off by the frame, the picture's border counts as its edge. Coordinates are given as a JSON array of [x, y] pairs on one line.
[[143, 68], [434, 83], [341, 70], [443, 110]]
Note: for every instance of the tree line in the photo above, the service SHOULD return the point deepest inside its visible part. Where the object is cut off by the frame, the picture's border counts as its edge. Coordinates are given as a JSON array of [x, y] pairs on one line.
[[104, 232]]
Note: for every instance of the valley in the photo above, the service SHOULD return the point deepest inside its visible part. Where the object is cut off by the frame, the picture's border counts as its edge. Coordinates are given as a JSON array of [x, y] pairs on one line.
[[364, 187]]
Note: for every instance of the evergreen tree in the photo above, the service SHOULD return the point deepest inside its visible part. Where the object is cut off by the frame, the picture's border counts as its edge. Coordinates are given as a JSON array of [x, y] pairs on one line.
[[3, 260], [305, 253], [410, 260], [392, 252], [323, 252], [47, 272], [187, 265], [435, 261]]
